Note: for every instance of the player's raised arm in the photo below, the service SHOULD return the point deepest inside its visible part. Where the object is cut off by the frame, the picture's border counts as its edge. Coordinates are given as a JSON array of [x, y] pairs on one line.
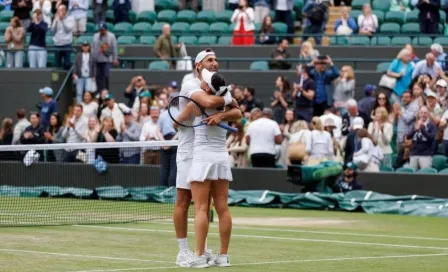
[[211, 101]]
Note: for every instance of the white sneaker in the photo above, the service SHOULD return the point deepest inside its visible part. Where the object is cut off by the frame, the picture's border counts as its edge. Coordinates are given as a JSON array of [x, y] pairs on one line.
[[209, 255], [196, 262], [220, 260], [183, 256]]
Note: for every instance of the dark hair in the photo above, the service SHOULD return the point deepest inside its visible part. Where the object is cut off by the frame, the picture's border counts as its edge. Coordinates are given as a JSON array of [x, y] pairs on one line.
[[79, 106], [218, 81], [306, 69], [16, 21], [35, 113], [280, 41], [21, 113], [286, 86], [58, 123], [265, 28], [408, 92], [251, 90], [388, 106]]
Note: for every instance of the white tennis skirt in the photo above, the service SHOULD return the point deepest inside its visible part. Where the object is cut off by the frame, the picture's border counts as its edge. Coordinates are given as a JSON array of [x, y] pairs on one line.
[[210, 166]]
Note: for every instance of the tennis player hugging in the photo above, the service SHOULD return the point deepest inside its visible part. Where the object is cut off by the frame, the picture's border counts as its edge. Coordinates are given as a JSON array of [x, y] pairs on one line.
[[210, 172]]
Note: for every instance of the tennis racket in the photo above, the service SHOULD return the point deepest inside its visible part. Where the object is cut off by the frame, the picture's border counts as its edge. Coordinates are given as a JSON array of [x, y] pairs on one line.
[[192, 114]]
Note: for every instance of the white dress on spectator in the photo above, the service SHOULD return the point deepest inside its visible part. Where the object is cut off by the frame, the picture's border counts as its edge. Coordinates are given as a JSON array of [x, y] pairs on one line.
[[373, 154], [368, 23], [320, 147]]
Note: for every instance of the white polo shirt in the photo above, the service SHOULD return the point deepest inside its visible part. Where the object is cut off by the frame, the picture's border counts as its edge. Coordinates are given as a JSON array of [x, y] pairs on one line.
[[262, 134]]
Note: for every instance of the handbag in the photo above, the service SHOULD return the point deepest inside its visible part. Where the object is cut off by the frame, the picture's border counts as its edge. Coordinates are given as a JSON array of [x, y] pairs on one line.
[[297, 150], [388, 82], [361, 160]]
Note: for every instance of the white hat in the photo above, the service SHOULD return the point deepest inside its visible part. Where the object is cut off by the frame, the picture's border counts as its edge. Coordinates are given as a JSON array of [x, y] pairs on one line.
[[207, 77], [358, 123], [201, 55], [329, 122], [430, 93], [31, 157], [441, 83]]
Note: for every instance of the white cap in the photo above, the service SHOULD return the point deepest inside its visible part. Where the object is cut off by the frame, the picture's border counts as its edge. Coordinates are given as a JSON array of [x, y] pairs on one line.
[[441, 83], [207, 77], [430, 93], [358, 123], [201, 55], [329, 122]]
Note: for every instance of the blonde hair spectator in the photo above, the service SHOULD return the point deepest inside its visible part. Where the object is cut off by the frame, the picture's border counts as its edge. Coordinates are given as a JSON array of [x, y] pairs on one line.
[[345, 87], [320, 146], [307, 51], [382, 131]]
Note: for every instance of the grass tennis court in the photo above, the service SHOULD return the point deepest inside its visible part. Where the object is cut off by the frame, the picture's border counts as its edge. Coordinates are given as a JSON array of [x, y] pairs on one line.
[[263, 240]]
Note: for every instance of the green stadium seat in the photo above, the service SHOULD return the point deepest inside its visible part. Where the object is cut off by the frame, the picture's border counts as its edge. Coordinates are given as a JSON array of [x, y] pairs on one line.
[[6, 15], [218, 28], [3, 27], [148, 40], [280, 27], [49, 40], [257, 28], [443, 171], [380, 15], [188, 40], [390, 28], [231, 28], [410, 28], [51, 60], [110, 16], [386, 169], [423, 41], [174, 39], [438, 162], [159, 66], [298, 5], [83, 38], [132, 17], [2, 39], [207, 40], [2, 7], [90, 16], [180, 28], [357, 4], [224, 16], [339, 40], [162, 5], [259, 66], [404, 170], [394, 158], [141, 28], [147, 16], [381, 41], [427, 171], [27, 39], [167, 16], [110, 3], [354, 13], [201, 27], [442, 16], [394, 17], [206, 16], [412, 16], [359, 40], [126, 39], [382, 67], [122, 29], [186, 16], [441, 28], [383, 5], [90, 27], [441, 40], [401, 41], [157, 28], [225, 40]]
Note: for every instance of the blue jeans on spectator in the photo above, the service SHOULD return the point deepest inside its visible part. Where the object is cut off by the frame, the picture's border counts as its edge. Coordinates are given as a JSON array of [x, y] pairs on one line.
[[313, 29], [14, 59], [82, 84], [168, 167], [37, 56], [102, 75], [134, 159], [64, 52]]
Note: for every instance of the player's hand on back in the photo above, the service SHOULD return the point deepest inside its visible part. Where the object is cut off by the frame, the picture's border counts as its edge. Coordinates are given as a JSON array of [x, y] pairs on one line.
[[213, 120]]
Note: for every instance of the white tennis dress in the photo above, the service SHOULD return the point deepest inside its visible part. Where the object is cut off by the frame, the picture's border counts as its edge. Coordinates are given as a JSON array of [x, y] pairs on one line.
[[210, 157]]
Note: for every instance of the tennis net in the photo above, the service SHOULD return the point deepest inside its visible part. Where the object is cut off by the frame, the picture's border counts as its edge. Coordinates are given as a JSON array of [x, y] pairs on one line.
[[89, 183]]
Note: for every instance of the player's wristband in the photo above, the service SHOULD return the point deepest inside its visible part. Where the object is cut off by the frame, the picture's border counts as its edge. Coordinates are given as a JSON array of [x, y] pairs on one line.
[[227, 99]]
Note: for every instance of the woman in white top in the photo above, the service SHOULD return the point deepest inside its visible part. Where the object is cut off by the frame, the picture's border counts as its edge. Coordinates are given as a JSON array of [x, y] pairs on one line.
[[367, 21], [237, 147], [243, 18], [345, 87], [300, 136], [368, 157], [307, 51], [143, 114], [320, 147], [382, 131], [45, 7], [89, 107]]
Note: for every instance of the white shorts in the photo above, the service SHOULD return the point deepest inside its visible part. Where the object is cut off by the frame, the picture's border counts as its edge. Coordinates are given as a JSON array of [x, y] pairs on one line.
[[210, 166], [183, 161]]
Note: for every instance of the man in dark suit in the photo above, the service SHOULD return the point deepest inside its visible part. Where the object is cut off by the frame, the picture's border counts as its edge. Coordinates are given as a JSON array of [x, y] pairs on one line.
[[352, 144], [429, 16], [351, 114]]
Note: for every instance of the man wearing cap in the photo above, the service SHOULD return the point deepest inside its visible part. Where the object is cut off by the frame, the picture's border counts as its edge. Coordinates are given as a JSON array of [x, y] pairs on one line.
[[348, 182], [113, 110], [78, 9], [365, 105], [105, 53], [85, 72], [132, 92], [172, 88], [130, 132], [63, 36], [48, 106], [164, 47], [352, 144], [37, 52], [441, 85]]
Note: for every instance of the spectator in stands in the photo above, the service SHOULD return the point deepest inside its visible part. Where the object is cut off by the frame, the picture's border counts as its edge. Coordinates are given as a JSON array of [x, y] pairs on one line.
[[152, 132], [422, 135], [63, 36], [345, 25], [85, 72], [6, 4], [348, 182], [441, 86], [90, 107], [74, 130], [238, 94], [417, 94], [283, 13], [48, 106], [78, 10], [352, 144], [164, 47], [307, 52], [113, 110], [143, 114], [194, 4], [108, 134], [316, 14], [367, 158], [429, 17], [132, 92], [121, 10], [144, 97], [105, 53], [434, 109], [250, 102], [304, 93], [262, 8], [21, 125], [286, 129], [55, 5], [91, 136], [320, 147], [334, 114], [130, 132], [297, 142], [99, 10], [243, 18], [267, 32], [427, 66], [172, 88], [54, 136], [33, 134], [323, 78], [382, 131], [367, 21], [6, 136], [344, 87], [400, 5], [437, 51], [37, 52], [414, 57], [350, 115], [262, 136], [281, 99], [233, 4], [168, 155], [15, 39], [404, 117], [330, 127], [102, 101], [22, 10], [45, 7], [280, 56], [382, 100], [365, 105], [402, 69], [237, 147]]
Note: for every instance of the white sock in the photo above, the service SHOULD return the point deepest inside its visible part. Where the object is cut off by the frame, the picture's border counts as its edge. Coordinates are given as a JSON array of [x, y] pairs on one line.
[[183, 244]]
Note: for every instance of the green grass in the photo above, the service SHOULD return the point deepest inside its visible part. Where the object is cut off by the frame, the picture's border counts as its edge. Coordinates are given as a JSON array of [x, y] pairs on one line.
[[346, 242]]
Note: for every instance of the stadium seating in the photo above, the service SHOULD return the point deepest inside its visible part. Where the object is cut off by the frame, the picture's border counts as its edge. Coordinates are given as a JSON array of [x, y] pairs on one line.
[[225, 40], [386, 169], [441, 40], [380, 15], [180, 28], [404, 170], [110, 16], [3, 27], [90, 27], [360, 40], [206, 16], [6, 15], [207, 40], [141, 28], [186, 16], [188, 40], [423, 41], [49, 40], [439, 162], [126, 40], [394, 17], [159, 66], [156, 29], [83, 38], [355, 13], [224, 16], [390, 28], [381, 41], [400, 41], [410, 28], [168, 16], [147, 40], [280, 27], [259, 66], [199, 28], [357, 4], [412, 16], [383, 5], [427, 171], [339, 40], [122, 29], [166, 4], [146, 16], [444, 172], [219, 28], [382, 67]]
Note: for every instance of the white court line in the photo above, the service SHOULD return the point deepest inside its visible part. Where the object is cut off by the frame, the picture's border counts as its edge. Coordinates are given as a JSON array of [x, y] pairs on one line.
[[292, 261], [80, 256], [325, 232], [275, 238]]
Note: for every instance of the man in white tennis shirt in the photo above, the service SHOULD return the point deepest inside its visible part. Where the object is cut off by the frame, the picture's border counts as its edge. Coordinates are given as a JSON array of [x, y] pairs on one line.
[[192, 89]]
